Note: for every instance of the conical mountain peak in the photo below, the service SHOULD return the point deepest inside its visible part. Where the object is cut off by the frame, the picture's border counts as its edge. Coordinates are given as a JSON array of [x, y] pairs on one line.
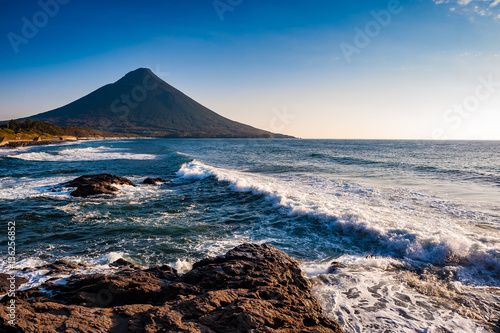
[[142, 103], [139, 74]]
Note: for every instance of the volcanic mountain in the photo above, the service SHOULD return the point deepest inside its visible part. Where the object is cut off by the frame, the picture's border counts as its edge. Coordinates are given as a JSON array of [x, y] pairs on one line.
[[141, 103]]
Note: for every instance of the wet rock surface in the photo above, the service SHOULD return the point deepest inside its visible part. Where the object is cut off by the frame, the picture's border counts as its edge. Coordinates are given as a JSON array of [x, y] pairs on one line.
[[97, 184], [155, 181], [253, 288]]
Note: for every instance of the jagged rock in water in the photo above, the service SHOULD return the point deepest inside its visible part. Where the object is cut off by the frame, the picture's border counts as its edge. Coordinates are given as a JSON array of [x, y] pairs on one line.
[[97, 184], [155, 181]]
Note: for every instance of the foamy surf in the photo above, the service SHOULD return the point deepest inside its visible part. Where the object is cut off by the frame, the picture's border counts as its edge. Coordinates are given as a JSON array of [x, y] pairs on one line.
[[378, 295], [416, 228], [27, 268], [52, 187], [23, 188], [408, 225], [83, 154]]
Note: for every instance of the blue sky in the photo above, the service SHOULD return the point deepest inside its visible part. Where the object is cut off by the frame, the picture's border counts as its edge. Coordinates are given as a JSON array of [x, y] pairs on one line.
[[314, 69]]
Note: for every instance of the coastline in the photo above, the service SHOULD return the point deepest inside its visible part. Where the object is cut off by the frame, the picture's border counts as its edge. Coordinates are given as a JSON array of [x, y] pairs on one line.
[[17, 143], [37, 141]]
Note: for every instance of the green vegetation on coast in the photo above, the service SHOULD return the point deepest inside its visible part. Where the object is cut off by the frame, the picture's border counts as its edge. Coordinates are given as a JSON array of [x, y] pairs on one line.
[[31, 129]]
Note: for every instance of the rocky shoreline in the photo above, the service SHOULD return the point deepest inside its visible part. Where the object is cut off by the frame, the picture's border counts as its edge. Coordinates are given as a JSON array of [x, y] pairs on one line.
[[252, 288]]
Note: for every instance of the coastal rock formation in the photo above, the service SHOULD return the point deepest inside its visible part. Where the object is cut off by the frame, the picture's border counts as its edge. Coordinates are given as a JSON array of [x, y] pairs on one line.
[[253, 288], [155, 181], [97, 184], [25, 143]]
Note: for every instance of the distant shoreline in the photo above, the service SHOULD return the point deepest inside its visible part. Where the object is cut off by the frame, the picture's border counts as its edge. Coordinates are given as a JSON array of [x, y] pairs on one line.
[[17, 143]]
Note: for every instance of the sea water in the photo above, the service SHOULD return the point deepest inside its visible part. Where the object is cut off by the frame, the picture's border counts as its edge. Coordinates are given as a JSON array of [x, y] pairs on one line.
[[412, 227]]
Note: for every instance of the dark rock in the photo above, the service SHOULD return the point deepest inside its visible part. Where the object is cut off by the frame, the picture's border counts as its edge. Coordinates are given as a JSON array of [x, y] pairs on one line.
[[334, 266], [123, 288], [164, 272], [154, 181], [17, 144], [122, 262], [97, 184], [62, 267], [253, 288], [88, 190]]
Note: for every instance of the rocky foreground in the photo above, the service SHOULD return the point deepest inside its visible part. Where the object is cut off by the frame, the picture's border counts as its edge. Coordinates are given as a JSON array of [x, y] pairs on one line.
[[253, 288]]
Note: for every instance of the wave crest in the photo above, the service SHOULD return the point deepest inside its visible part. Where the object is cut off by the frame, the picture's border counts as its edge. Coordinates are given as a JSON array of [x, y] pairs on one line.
[[404, 224]]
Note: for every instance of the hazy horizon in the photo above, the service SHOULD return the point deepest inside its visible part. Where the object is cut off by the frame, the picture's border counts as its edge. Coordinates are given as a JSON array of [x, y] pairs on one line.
[[415, 70]]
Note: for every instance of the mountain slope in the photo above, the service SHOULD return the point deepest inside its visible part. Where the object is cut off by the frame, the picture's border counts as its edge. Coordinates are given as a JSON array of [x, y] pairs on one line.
[[143, 104]]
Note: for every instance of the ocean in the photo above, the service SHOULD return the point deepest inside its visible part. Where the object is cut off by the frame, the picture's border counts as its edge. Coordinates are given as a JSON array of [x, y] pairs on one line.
[[412, 227]]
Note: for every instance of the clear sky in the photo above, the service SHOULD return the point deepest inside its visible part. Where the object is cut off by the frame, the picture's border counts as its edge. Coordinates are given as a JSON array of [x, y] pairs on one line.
[[313, 69]]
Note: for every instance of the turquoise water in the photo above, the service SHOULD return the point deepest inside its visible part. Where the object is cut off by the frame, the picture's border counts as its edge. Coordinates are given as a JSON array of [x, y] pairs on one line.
[[393, 208]]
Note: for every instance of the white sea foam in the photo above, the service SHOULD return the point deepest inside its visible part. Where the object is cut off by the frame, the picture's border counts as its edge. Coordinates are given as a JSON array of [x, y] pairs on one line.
[[83, 154], [37, 277], [183, 265], [410, 225], [194, 170], [368, 296], [22, 188], [212, 248]]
